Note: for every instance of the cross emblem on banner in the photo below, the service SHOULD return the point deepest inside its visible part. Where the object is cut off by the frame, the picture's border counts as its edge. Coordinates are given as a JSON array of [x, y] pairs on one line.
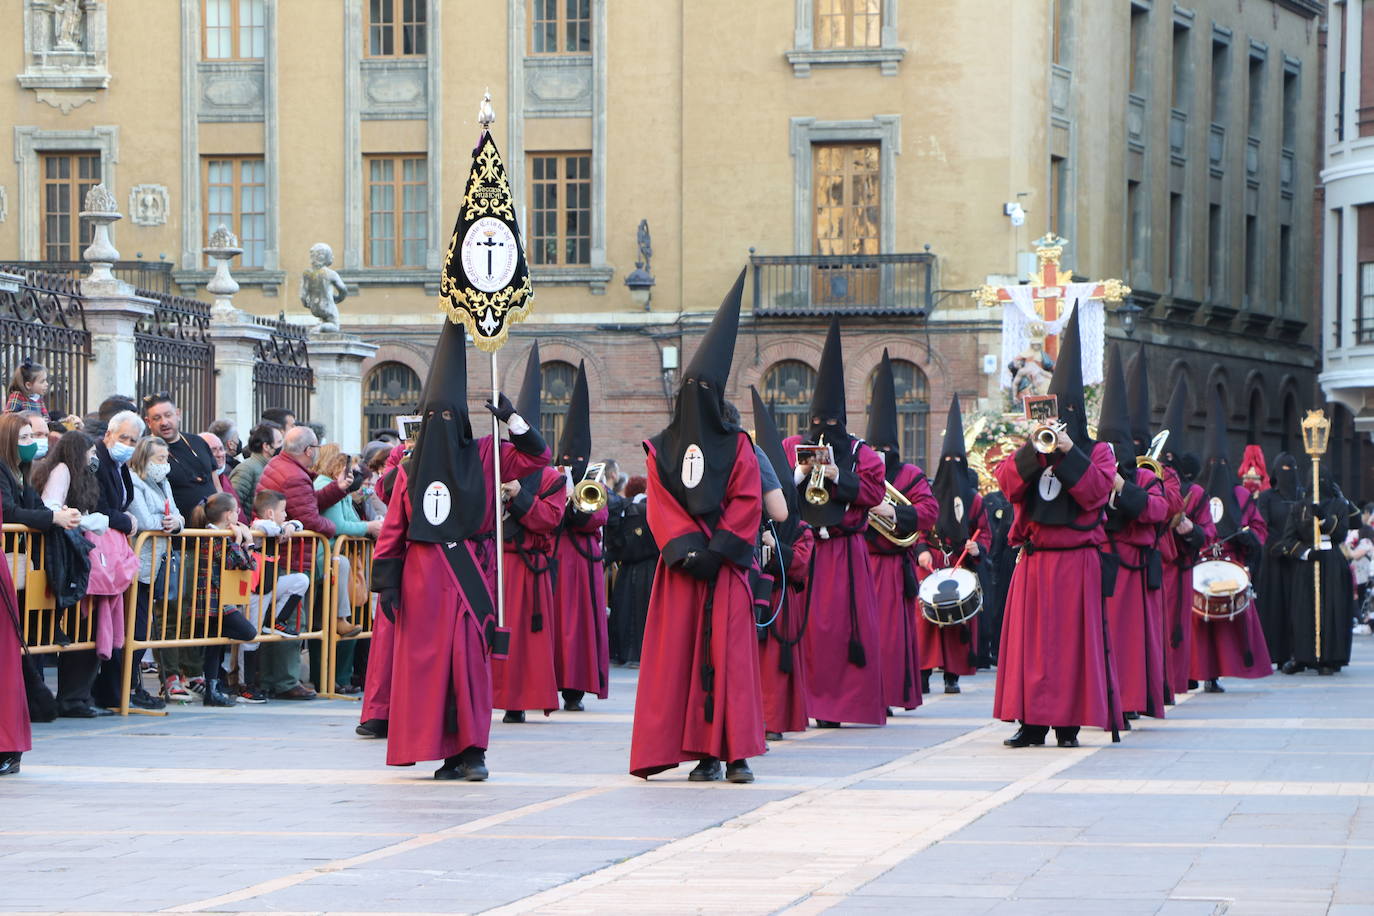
[[1048, 289]]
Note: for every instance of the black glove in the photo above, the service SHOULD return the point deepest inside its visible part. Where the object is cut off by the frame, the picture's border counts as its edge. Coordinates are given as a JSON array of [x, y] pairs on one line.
[[389, 599], [703, 565], [503, 409]]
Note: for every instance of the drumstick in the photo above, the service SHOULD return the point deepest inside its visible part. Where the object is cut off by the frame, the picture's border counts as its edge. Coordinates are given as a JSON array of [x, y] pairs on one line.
[[971, 538]]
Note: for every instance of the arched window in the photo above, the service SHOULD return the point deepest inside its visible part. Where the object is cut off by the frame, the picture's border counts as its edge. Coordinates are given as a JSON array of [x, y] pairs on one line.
[[391, 390], [787, 388], [913, 408], [556, 394], [1291, 436], [1255, 428]]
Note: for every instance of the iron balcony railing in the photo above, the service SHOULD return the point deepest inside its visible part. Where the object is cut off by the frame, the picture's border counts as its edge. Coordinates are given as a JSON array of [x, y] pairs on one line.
[[153, 275], [863, 284]]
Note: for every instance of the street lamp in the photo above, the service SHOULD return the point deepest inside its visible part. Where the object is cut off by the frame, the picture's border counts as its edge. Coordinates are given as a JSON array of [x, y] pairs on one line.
[[1128, 311]]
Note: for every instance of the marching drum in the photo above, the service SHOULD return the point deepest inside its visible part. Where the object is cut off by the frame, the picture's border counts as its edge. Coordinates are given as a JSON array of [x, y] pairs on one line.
[[1221, 589], [950, 597]]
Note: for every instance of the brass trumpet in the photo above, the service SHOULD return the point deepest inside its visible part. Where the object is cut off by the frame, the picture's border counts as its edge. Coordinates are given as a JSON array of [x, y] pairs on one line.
[[816, 493], [589, 493], [1045, 437], [894, 497], [1151, 457]]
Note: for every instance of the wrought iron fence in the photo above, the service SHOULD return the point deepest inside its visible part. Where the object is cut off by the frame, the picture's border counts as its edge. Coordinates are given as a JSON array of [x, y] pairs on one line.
[[42, 317], [282, 376], [852, 284], [154, 275], [175, 356]]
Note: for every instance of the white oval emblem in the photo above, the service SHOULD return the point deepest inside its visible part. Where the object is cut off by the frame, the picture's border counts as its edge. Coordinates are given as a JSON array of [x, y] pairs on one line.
[[437, 502], [1050, 487], [693, 467], [958, 508], [1216, 508], [489, 255]]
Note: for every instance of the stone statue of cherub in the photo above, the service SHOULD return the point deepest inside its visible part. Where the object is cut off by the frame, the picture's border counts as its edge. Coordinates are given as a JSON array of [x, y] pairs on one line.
[[322, 289]]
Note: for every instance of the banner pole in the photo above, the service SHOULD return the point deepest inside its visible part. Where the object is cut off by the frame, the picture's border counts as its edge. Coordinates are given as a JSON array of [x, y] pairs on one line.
[[496, 478]]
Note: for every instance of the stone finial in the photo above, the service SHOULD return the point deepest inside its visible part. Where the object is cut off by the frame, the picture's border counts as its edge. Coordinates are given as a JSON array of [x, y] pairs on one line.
[[100, 199], [223, 247], [101, 209]]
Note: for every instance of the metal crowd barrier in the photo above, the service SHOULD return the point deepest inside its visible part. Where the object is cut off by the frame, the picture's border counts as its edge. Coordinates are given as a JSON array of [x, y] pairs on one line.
[[46, 629], [358, 552]]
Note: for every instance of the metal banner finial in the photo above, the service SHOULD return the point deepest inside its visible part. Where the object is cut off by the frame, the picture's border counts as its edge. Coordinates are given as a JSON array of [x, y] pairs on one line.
[[486, 116]]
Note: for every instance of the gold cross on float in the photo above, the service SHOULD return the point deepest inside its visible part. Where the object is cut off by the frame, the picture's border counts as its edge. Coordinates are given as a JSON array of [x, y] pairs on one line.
[[1049, 284]]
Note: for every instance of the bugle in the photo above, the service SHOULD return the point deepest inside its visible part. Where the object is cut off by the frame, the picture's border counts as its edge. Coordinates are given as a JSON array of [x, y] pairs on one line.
[[589, 493], [1045, 437], [893, 497], [816, 493], [1151, 457]]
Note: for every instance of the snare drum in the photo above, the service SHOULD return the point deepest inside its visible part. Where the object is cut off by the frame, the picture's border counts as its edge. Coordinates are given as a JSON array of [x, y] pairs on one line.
[[950, 596], [1221, 589]]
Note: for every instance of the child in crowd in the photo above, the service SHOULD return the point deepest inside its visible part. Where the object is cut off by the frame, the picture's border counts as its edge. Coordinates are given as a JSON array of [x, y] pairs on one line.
[[218, 512], [28, 387], [269, 517]]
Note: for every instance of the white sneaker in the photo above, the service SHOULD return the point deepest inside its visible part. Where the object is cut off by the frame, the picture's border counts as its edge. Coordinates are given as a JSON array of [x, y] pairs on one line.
[[175, 690]]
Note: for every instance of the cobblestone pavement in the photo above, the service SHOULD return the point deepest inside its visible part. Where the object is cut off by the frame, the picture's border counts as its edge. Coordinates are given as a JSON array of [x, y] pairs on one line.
[[1256, 801]]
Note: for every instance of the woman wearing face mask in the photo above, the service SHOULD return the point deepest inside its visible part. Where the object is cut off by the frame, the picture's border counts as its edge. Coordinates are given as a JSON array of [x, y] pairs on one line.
[[155, 510]]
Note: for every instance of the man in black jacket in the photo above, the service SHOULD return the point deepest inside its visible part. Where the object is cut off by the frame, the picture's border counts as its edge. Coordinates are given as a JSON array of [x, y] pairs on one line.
[[192, 477]]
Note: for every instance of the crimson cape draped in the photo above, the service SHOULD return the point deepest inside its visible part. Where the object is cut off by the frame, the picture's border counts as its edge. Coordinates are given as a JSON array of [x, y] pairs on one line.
[[441, 674], [841, 603], [784, 692], [1178, 591], [1051, 667], [948, 648], [582, 650], [15, 734], [670, 722], [377, 686], [897, 614], [1135, 611], [1235, 647], [525, 678]]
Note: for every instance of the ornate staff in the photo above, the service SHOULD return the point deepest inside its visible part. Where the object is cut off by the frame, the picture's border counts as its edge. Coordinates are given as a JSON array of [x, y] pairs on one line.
[[1316, 429], [486, 286]]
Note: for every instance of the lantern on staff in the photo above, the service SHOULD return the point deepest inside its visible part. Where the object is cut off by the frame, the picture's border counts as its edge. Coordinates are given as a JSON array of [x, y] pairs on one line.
[[1316, 430]]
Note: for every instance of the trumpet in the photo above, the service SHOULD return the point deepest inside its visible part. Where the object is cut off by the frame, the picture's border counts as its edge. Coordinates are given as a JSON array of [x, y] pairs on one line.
[[589, 493], [887, 529], [1151, 457], [816, 493], [1045, 437]]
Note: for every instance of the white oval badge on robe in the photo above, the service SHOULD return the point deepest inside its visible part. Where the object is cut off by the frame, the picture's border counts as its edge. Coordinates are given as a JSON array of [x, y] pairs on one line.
[[1050, 487], [1217, 509], [437, 502], [958, 508], [693, 467]]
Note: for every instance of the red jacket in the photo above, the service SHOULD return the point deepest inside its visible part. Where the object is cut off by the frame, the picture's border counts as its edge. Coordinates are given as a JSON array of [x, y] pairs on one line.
[[303, 502]]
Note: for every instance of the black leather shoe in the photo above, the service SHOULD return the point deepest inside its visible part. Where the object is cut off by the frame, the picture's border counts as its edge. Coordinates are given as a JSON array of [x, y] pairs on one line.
[[9, 763], [826, 723], [470, 766], [772, 736], [1325, 670], [1022, 738], [707, 770], [1192, 685], [1214, 686], [372, 728], [513, 716], [83, 712], [215, 695], [1292, 666], [953, 686], [925, 682], [1068, 742], [573, 706], [739, 772], [142, 699], [1132, 715]]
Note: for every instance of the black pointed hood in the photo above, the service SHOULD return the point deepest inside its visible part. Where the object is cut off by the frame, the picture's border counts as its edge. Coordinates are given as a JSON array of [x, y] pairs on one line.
[[1176, 422], [445, 468], [827, 400], [883, 433], [528, 404], [1219, 478], [1139, 395], [1067, 385], [1284, 477], [953, 485], [575, 444], [1114, 422], [767, 437], [695, 453]]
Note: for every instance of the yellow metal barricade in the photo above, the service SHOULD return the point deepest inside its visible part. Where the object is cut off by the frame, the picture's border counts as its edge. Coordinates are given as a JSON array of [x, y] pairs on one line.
[[46, 629], [357, 552], [184, 609]]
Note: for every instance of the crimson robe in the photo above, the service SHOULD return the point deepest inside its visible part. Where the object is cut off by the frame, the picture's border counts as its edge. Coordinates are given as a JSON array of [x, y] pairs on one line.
[[1168, 554], [841, 603], [1178, 588], [377, 684], [582, 650], [1052, 669], [897, 614], [671, 722], [14, 706], [1235, 647], [784, 691], [441, 675], [950, 648], [1134, 610], [525, 679]]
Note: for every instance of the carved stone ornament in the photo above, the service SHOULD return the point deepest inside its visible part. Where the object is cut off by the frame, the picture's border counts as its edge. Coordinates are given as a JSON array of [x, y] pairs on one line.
[[65, 47], [101, 200], [222, 238], [4, 203], [149, 205], [65, 102]]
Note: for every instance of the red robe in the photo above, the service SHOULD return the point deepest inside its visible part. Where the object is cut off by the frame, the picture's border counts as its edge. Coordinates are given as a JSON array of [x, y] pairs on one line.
[[582, 652], [440, 652], [950, 648], [525, 678], [671, 724], [1178, 589], [784, 692], [1168, 554], [1051, 668], [1134, 611], [377, 685], [897, 614], [841, 604], [14, 706], [1235, 647]]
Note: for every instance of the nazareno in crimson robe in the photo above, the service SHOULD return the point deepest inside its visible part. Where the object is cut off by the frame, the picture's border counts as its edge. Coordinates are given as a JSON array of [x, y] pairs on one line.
[[952, 648], [377, 683], [14, 707], [780, 657], [676, 717], [1178, 588], [441, 679], [841, 603], [582, 651], [1052, 668], [1134, 610], [525, 678], [898, 636], [1235, 647]]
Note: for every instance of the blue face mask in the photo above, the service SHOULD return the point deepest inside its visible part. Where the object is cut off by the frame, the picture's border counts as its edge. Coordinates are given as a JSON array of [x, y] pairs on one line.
[[42, 444], [121, 452]]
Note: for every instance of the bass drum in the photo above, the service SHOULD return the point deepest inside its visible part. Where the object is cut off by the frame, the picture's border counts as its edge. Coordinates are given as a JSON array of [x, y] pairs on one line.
[[1221, 589], [950, 597]]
